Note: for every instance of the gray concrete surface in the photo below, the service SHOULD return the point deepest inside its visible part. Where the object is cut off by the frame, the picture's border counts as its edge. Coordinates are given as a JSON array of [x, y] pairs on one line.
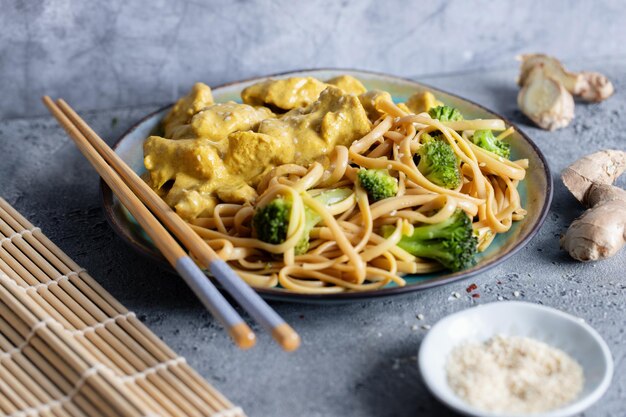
[[103, 54], [356, 359]]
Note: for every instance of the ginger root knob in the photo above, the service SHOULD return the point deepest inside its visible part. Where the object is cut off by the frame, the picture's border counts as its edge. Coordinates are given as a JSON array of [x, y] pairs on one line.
[[545, 101], [601, 231], [548, 88]]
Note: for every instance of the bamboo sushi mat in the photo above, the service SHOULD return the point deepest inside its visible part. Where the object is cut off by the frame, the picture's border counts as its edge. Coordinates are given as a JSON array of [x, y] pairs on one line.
[[68, 348]]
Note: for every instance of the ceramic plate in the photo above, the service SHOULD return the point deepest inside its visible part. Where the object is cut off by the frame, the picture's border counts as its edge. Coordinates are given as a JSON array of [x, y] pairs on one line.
[[535, 191]]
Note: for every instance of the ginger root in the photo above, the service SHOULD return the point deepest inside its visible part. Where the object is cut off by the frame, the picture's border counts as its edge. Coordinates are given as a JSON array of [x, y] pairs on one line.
[[594, 87], [601, 231], [545, 101], [549, 106]]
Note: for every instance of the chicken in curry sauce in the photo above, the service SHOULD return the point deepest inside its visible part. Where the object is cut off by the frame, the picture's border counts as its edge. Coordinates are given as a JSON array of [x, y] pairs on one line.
[[219, 152]]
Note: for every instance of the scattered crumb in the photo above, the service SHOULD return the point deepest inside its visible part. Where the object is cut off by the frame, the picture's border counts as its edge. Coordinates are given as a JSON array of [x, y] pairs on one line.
[[516, 294], [414, 327], [500, 298]]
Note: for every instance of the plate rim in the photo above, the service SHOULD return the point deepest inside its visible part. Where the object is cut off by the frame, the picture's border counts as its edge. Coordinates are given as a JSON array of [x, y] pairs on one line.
[[106, 200]]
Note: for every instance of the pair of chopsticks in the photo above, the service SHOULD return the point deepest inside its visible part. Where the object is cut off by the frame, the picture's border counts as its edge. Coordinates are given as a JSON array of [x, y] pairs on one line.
[[133, 193]]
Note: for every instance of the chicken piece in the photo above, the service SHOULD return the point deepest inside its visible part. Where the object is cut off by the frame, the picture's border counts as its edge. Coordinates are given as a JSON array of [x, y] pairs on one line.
[[237, 192], [284, 94], [422, 102], [334, 119], [370, 101], [181, 113], [218, 121], [165, 158], [348, 84], [252, 154], [404, 107], [191, 197]]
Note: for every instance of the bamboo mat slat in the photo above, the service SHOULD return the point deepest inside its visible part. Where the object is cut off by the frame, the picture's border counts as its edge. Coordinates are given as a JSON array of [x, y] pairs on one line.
[[69, 349]]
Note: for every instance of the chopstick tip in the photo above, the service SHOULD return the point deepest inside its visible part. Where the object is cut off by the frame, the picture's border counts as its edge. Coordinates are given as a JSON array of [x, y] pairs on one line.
[[286, 337], [243, 335]]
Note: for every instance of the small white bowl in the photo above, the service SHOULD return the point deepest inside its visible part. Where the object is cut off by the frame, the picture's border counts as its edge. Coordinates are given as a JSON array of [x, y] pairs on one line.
[[515, 318]]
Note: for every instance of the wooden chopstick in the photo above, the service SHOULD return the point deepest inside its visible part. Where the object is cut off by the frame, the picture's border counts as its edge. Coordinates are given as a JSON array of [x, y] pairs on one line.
[[175, 255], [241, 292]]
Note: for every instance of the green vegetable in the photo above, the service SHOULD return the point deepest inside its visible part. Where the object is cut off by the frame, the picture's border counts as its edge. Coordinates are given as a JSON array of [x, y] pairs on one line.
[[311, 218], [378, 183], [451, 242], [487, 140], [271, 221], [438, 162], [445, 114]]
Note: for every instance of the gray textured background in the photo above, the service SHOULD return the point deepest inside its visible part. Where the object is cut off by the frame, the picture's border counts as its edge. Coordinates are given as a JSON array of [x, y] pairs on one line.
[[104, 54], [356, 359]]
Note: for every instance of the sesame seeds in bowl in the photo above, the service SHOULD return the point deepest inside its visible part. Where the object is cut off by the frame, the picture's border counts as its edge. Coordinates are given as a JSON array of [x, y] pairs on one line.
[[526, 349]]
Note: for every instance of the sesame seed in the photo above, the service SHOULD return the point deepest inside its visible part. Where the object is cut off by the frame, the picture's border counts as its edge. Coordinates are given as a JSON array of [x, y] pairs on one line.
[[426, 326], [516, 293], [420, 316]]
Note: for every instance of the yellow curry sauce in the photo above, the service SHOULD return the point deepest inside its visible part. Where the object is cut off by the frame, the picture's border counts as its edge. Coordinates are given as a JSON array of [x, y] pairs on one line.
[[214, 152]]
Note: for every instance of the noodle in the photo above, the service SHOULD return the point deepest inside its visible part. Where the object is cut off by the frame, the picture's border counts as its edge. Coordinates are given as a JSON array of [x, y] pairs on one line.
[[346, 251]]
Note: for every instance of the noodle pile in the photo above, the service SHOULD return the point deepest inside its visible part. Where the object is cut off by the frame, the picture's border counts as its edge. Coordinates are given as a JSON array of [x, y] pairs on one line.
[[346, 251]]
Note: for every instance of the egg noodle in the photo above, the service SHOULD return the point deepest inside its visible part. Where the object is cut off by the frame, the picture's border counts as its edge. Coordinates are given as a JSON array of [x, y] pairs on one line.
[[347, 251]]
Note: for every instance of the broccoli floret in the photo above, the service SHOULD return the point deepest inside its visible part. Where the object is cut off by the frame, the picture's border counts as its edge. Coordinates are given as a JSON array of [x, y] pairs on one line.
[[272, 221], [378, 183], [487, 140], [438, 163], [311, 218], [451, 242], [445, 114]]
